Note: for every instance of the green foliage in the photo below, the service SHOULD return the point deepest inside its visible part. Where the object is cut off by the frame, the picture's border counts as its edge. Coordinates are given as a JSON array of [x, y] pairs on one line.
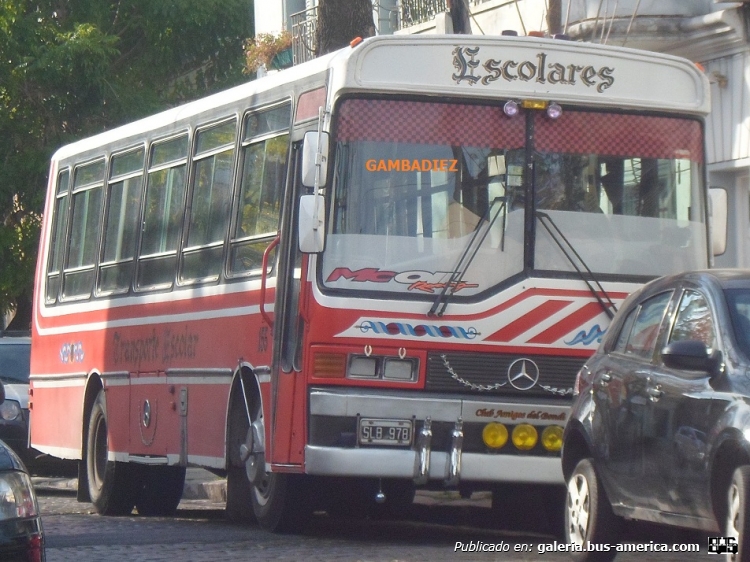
[[69, 69]]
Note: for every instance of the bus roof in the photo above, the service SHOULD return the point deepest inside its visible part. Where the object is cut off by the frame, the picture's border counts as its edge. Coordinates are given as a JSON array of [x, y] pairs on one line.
[[481, 67]]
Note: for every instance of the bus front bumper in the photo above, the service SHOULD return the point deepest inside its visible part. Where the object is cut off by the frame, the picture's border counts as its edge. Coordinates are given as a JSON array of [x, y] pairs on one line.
[[446, 441]]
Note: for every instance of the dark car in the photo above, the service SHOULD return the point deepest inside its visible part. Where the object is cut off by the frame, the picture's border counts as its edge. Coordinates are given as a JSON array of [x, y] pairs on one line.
[[660, 424], [21, 534], [15, 357]]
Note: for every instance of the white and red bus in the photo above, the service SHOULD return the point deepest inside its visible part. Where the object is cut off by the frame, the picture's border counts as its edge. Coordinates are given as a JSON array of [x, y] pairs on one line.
[[371, 272]]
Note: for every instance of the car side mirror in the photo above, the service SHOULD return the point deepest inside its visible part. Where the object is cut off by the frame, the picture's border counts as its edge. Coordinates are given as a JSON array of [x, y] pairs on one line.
[[691, 355]]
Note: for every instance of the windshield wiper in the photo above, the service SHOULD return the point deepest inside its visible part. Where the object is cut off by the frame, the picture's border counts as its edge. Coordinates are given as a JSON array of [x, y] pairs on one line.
[[464, 261], [558, 237]]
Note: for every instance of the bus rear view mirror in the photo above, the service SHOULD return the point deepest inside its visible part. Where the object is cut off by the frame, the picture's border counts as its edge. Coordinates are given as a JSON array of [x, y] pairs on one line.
[[311, 224], [315, 159], [718, 220]]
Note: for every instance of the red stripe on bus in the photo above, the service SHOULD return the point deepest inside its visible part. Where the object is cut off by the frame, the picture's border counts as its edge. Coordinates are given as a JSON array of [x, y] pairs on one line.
[[567, 324], [528, 320]]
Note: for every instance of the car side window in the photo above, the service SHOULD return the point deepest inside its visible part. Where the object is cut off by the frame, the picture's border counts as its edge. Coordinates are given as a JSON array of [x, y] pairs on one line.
[[645, 331], [625, 328], [694, 320]]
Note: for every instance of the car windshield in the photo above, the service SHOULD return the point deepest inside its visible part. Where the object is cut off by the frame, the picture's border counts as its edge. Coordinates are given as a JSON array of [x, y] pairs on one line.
[[15, 362]]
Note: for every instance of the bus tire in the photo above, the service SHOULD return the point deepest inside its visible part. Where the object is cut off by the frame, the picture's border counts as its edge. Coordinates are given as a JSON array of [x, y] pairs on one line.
[[280, 502], [239, 506], [160, 490], [111, 483]]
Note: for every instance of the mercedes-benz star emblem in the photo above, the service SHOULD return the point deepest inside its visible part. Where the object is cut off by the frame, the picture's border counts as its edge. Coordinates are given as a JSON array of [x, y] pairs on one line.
[[523, 374], [146, 418]]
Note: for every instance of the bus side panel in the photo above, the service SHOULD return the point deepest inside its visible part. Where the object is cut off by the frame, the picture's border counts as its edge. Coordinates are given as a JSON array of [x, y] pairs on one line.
[[118, 417], [206, 405], [58, 435]]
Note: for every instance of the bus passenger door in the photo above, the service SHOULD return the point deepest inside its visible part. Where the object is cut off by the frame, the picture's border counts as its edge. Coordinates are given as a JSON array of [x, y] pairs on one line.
[[287, 383]]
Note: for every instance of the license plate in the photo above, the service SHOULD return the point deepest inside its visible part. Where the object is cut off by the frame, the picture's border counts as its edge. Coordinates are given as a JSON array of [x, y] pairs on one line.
[[385, 432]]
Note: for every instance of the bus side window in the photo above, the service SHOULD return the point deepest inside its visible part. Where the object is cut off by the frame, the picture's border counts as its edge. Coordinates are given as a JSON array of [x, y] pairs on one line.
[[162, 215], [88, 186], [121, 217], [265, 151], [210, 202], [57, 236]]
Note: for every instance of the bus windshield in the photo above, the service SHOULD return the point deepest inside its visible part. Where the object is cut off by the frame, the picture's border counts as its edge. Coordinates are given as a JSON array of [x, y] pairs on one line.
[[418, 185]]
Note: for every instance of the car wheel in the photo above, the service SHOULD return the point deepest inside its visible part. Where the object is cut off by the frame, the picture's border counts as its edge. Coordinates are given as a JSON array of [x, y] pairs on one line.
[[589, 520], [111, 483], [239, 506], [160, 491], [738, 514]]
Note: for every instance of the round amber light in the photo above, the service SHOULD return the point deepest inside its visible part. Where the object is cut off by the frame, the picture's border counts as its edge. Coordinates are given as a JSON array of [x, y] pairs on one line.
[[495, 435], [552, 438], [525, 436]]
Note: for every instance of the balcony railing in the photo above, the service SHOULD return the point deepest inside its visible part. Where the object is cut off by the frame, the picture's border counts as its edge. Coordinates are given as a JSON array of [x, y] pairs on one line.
[[410, 12], [419, 11], [413, 12], [304, 30]]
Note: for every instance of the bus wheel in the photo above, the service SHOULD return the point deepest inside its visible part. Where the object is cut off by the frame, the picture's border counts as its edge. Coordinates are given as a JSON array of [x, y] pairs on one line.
[[281, 503], [239, 507], [111, 483], [160, 490]]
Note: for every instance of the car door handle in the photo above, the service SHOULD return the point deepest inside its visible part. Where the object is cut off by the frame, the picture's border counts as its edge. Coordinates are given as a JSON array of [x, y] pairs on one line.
[[654, 392]]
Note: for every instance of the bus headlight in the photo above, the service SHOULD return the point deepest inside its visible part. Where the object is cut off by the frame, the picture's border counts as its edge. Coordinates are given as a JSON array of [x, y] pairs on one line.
[[524, 436], [495, 435], [363, 367], [552, 438], [399, 369]]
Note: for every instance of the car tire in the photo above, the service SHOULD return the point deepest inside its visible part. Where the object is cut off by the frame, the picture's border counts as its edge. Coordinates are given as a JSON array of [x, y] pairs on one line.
[[160, 490], [737, 523], [111, 484], [589, 521]]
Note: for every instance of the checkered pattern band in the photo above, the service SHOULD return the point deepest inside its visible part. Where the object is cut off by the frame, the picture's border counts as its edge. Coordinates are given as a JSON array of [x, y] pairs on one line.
[[575, 132], [610, 134], [429, 123]]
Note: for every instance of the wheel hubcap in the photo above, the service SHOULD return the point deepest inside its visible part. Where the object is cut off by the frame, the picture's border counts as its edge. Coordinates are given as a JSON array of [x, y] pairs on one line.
[[578, 506]]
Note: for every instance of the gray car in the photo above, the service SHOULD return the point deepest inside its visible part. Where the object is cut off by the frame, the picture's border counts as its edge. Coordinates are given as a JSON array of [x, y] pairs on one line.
[[15, 354]]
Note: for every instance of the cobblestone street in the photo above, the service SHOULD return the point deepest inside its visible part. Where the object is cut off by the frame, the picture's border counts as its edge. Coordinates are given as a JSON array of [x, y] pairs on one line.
[[200, 533]]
